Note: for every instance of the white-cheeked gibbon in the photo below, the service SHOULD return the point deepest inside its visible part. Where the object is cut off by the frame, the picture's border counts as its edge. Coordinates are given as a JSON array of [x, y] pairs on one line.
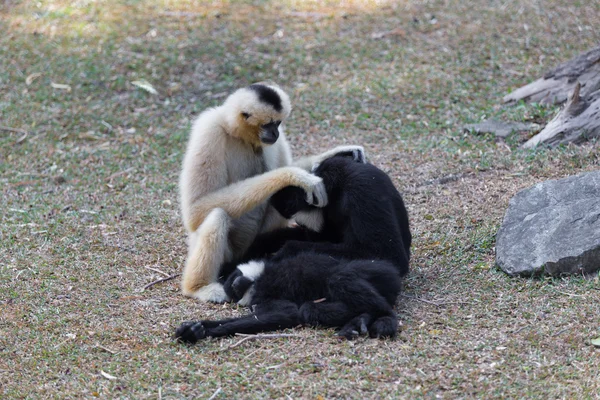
[[236, 158]]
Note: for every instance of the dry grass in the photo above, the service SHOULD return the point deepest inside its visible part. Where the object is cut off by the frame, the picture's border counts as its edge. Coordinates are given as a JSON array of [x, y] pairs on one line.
[[90, 197]]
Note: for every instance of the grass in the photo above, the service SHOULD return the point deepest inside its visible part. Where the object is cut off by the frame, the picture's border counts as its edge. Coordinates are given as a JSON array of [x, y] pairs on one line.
[[90, 193]]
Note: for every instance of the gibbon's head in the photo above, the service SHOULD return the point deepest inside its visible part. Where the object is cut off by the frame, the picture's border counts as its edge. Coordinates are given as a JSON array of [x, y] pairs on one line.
[[258, 109]]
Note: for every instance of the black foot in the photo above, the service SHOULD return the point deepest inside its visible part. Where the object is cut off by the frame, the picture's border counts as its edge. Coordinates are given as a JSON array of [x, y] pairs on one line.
[[384, 327], [190, 332]]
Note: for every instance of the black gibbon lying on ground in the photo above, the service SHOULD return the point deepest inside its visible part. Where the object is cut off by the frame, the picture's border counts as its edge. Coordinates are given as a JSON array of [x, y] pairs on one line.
[[236, 158], [346, 275]]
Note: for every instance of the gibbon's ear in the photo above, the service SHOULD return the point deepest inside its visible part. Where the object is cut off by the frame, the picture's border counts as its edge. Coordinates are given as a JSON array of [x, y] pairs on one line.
[[246, 115]]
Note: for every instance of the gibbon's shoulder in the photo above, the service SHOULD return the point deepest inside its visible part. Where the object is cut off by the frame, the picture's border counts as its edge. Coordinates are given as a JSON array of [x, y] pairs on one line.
[[209, 128]]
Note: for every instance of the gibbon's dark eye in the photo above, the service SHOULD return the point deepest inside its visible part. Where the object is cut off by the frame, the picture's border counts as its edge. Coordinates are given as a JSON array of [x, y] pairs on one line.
[[245, 115]]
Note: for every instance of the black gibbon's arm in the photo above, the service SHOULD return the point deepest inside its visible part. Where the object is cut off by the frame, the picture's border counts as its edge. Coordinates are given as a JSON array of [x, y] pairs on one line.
[[269, 316], [241, 197]]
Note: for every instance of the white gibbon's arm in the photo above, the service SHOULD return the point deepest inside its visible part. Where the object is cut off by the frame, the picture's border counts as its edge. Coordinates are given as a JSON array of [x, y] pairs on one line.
[[312, 162], [241, 197]]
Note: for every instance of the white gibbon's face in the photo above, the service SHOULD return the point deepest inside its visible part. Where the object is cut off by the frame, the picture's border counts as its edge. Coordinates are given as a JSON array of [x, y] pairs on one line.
[[263, 108]]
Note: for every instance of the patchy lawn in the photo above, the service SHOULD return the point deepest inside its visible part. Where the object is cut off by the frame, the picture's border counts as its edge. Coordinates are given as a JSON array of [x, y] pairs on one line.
[[90, 212]]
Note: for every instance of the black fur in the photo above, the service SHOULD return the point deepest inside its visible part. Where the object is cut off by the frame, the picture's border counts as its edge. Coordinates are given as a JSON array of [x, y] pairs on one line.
[[267, 96], [348, 275]]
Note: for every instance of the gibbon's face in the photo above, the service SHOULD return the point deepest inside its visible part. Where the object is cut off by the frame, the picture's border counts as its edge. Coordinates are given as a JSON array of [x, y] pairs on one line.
[[264, 108], [268, 132]]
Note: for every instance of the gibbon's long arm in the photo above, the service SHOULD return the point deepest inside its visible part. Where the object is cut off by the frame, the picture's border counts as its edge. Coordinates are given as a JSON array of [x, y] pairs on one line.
[[310, 163], [241, 197], [269, 316]]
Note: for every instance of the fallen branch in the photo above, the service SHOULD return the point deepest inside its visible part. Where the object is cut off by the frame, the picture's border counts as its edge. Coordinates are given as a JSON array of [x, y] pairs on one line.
[[435, 303], [168, 278], [116, 174], [16, 130], [157, 270], [560, 332], [215, 394], [105, 349], [260, 336]]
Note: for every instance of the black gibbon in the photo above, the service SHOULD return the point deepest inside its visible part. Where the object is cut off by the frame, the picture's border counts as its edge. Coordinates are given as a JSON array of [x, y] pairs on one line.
[[350, 277], [236, 158]]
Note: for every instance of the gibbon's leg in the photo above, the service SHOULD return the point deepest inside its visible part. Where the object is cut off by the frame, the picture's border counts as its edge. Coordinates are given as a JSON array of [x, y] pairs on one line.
[[357, 294], [208, 250], [269, 316], [331, 314], [312, 162], [240, 197]]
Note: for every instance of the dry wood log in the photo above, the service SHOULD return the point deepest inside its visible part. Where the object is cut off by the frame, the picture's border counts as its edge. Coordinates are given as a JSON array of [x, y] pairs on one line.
[[577, 122], [579, 119], [554, 87]]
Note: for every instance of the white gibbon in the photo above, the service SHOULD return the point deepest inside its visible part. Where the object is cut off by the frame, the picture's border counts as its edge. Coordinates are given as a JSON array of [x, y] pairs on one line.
[[236, 158]]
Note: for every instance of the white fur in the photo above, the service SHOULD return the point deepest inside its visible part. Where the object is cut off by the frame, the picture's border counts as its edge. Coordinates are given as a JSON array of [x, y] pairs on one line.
[[246, 299], [212, 292], [312, 219], [252, 270]]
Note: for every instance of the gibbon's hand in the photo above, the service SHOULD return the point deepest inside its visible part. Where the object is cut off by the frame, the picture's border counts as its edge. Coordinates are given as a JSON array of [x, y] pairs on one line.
[[316, 193], [190, 332], [357, 153]]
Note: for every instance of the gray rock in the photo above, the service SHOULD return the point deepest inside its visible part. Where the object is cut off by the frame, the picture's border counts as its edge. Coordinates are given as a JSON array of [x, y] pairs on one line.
[[500, 128], [552, 228]]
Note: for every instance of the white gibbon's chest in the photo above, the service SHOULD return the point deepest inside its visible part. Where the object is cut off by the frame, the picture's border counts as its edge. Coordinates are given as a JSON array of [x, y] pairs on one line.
[[243, 162]]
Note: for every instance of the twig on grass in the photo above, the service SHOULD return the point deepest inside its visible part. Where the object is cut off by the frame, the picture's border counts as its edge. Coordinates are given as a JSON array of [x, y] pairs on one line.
[[116, 174], [521, 329], [561, 331], [435, 303], [260, 336], [215, 394], [156, 270], [168, 278], [98, 346], [16, 130], [571, 294]]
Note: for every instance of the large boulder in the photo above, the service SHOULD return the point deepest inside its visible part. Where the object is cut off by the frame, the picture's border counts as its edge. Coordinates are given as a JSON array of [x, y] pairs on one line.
[[552, 228]]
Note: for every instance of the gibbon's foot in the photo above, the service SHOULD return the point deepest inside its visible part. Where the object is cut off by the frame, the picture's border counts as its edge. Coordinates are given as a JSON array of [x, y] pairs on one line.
[[190, 332], [357, 326], [384, 327], [316, 193], [213, 292]]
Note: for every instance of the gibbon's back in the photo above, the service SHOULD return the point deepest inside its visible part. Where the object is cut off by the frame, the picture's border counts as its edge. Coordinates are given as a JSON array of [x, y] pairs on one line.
[[363, 199]]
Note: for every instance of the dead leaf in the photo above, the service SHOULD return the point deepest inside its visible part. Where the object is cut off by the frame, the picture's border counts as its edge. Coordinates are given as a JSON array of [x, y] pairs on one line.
[[394, 32], [145, 85], [108, 376], [29, 80], [61, 86]]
